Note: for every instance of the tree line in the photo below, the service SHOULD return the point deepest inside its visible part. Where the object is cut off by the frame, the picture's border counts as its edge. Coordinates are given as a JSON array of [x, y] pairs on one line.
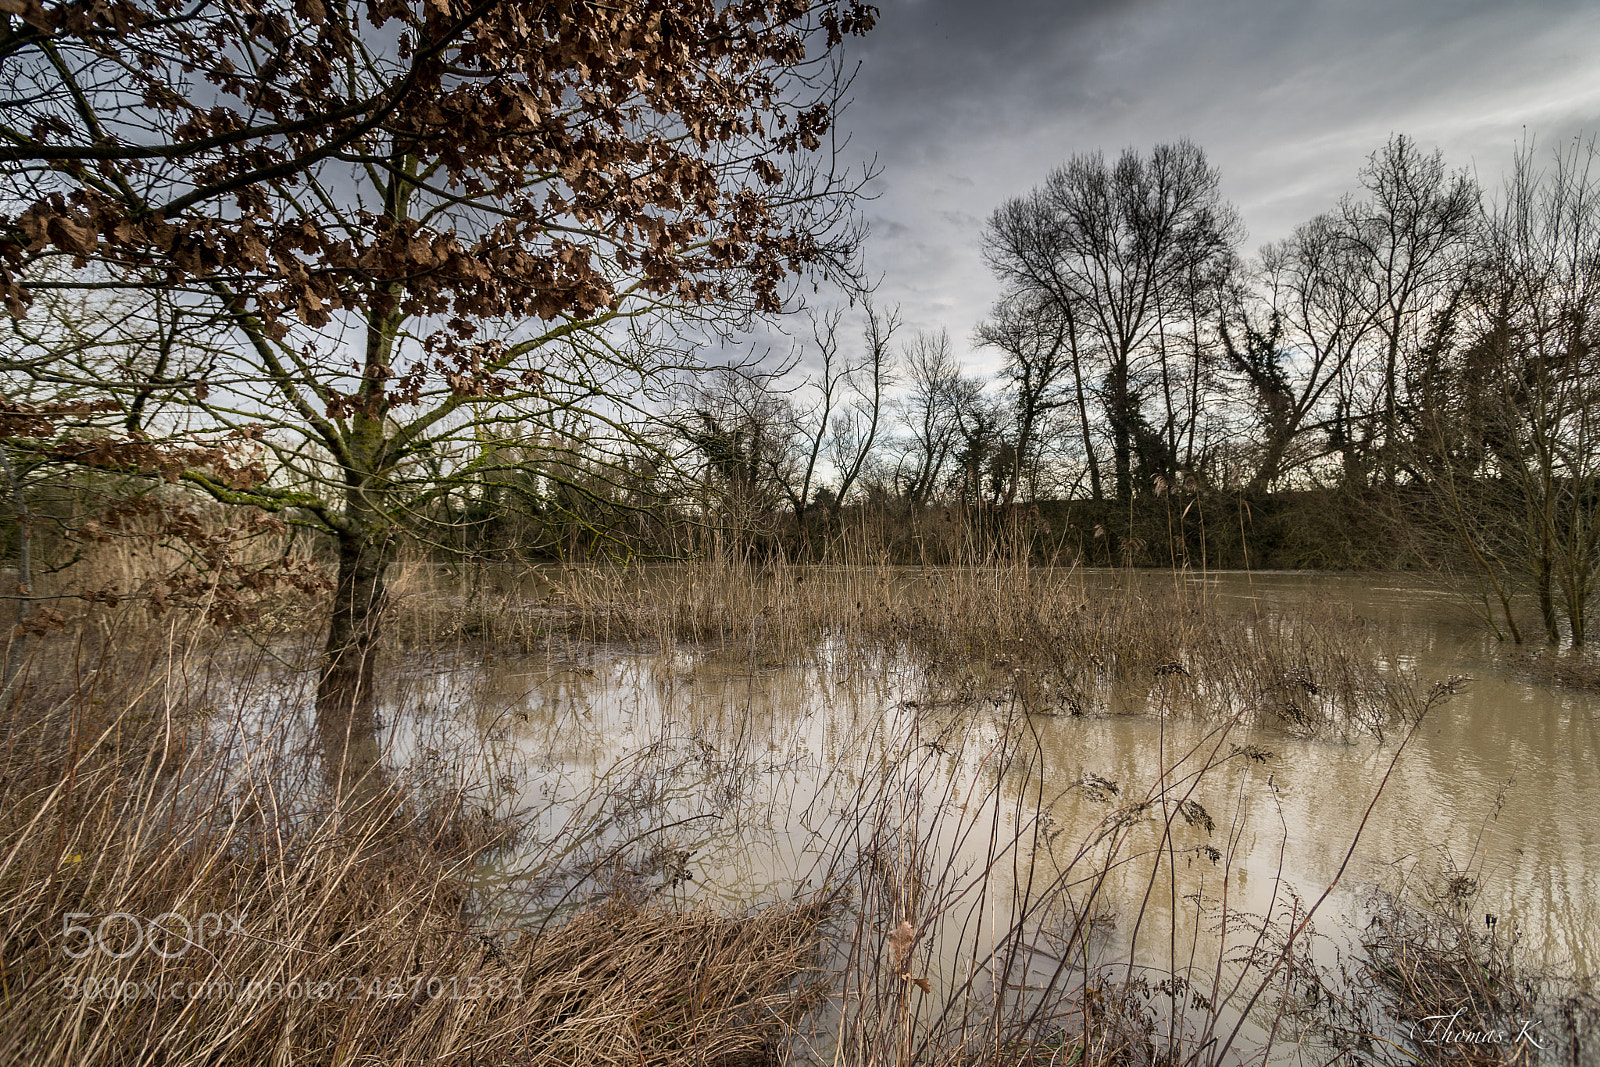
[[445, 272], [1406, 379]]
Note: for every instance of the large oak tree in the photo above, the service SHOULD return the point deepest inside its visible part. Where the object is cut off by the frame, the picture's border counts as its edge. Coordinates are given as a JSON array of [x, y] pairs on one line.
[[363, 234]]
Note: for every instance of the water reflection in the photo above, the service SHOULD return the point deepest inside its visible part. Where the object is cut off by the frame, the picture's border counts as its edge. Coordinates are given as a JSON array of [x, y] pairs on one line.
[[731, 778]]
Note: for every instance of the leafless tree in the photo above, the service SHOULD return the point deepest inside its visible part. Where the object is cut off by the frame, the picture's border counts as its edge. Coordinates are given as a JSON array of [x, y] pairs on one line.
[[1511, 448], [743, 428], [926, 411], [811, 426], [1114, 246], [1294, 340], [1409, 236], [857, 429], [1040, 347]]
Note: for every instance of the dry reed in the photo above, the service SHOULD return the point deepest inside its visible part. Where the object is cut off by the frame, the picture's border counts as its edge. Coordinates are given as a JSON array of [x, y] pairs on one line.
[[174, 896], [951, 927], [976, 935], [1061, 641], [1438, 980]]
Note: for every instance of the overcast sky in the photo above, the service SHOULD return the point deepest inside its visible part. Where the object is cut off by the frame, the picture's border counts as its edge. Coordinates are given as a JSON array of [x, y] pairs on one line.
[[968, 104]]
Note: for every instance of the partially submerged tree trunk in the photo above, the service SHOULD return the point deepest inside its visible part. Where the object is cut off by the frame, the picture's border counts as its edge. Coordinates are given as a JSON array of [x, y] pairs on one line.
[[347, 722], [16, 647]]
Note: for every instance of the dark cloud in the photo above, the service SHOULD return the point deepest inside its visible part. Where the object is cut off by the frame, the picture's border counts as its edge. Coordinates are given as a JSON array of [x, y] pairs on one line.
[[966, 105]]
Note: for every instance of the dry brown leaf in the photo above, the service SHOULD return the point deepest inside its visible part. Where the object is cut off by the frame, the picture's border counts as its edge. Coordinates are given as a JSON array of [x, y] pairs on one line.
[[900, 942]]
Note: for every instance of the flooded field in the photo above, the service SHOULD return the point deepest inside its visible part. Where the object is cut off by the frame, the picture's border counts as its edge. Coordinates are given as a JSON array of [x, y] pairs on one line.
[[1038, 840], [868, 816]]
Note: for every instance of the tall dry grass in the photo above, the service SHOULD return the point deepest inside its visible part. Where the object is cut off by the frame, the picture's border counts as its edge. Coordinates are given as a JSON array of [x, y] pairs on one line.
[[1438, 978], [978, 926], [949, 922], [176, 895], [173, 892], [1061, 640]]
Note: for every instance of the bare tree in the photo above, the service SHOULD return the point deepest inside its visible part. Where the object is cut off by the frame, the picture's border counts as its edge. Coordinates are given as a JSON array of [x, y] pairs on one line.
[[927, 413], [983, 453], [857, 429], [1293, 341], [1410, 236], [1113, 246], [1512, 442], [1040, 346], [810, 426], [744, 430]]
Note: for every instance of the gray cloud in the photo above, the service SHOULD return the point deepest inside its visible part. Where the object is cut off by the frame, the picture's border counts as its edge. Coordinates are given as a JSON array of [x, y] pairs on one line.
[[967, 105]]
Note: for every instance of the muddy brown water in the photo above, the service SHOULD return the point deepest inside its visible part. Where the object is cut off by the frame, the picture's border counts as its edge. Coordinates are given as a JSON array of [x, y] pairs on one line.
[[731, 779]]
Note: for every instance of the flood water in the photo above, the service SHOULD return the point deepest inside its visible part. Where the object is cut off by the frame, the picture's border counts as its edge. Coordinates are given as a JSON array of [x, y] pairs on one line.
[[726, 778]]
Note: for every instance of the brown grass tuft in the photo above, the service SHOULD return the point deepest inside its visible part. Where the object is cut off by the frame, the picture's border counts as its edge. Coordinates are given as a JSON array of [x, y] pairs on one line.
[[169, 896]]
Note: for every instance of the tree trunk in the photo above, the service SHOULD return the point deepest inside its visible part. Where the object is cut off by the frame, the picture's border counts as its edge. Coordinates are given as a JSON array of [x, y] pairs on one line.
[[1391, 372], [16, 648], [1542, 580], [347, 726], [1083, 425], [1119, 413]]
